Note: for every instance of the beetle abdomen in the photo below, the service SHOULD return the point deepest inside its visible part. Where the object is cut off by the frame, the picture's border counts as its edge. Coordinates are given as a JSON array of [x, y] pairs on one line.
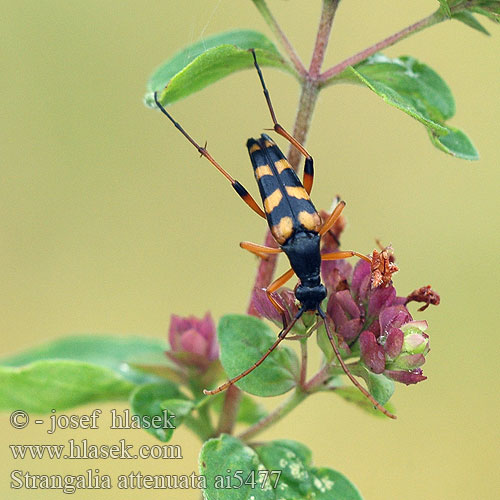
[[286, 203]]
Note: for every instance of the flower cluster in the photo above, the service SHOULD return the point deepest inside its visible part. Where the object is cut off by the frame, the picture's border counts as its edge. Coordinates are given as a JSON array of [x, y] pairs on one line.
[[373, 321], [377, 320], [368, 316]]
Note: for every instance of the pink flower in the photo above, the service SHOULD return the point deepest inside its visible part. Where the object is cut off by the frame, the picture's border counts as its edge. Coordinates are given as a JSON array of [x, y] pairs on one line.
[[193, 341]]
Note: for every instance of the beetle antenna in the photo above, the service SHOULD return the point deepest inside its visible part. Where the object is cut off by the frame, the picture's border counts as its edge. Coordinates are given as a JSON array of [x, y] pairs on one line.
[[281, 336], [347, 371]]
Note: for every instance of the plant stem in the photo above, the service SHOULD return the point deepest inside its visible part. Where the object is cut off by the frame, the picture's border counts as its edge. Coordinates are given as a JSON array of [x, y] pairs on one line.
[[323, 35], [426, 22], [281, 411], [327, 371], [317, 379], [229, 410], [273, 24], [265, 273], [303, 364], [307, 102]]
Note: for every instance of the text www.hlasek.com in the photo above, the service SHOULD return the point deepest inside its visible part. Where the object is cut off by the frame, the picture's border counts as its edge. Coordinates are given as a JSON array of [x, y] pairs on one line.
[[85, 450]]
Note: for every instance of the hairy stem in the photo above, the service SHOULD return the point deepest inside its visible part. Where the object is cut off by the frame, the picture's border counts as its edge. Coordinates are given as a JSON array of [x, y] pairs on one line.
[[307, 102], [303, 364], [426, 22], [317, 380], [265, 273], [229, 410], [323, 36], [278, 33], [281, 411]]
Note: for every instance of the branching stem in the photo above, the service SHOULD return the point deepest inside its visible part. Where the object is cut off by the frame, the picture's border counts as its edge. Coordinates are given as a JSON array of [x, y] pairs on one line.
[[281, 411], [318, 379], [426, 22], [303, 364], [307, 102], [282, 38], [323, 36], [229, 410]]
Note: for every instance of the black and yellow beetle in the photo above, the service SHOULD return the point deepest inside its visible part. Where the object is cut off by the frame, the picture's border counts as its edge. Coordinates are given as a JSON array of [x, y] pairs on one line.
[[295, 225]]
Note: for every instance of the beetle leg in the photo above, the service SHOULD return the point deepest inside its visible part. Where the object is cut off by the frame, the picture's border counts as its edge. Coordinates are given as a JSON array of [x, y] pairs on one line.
[[260, 250], [277, 283], [345, 255], [332, 219]]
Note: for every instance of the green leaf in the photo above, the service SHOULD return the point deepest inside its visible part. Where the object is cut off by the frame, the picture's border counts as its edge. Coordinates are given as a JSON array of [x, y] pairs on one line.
[[445, 7], [455, 141], [249, 410], [108, 351], [211, 59], [161, 370], [417, 90], [353, 395], [334, 485], [44, 385], [379, 386], [243, 341], [324, 344], [244, 39], [221, 459], [179, 407], [490, 9], [298, 479], [469, 19], [151, 401], [75, 370], [273, 450], [411, 86]]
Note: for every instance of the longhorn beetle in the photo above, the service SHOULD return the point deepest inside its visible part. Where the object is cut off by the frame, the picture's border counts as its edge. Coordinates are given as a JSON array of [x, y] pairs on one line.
[[294, 223]]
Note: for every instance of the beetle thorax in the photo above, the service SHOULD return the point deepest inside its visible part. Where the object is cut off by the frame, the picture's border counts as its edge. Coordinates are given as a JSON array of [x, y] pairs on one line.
[[303, 252]]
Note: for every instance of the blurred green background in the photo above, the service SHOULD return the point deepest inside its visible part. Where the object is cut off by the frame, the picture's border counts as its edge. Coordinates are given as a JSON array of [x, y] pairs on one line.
[[110, 223]]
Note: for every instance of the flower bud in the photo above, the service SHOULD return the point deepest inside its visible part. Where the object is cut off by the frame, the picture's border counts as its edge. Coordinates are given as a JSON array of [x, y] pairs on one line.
[[415, 340], [405, 367], [193, 341]]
